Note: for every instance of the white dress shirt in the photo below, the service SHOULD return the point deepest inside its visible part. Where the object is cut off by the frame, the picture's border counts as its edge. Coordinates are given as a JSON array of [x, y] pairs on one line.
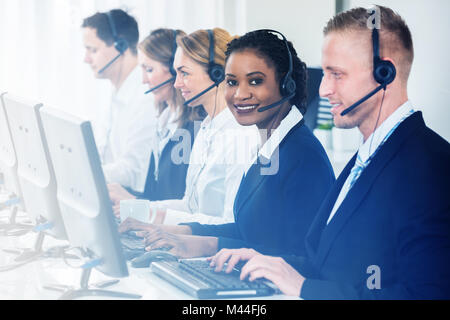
[[221, 153], [125, 134], [371, 145]]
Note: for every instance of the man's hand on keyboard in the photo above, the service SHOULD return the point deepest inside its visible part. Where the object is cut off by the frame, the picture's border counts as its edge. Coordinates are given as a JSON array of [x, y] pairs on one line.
[[274, 269]]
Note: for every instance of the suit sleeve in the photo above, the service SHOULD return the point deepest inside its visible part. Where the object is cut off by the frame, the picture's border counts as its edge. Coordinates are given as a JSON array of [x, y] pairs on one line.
[[217, 230]]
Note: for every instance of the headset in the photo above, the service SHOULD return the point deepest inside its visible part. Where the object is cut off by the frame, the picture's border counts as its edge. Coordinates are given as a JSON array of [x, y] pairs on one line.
[[171, 68], [216, 71], [120, 44], [384, 72], [288, 86]]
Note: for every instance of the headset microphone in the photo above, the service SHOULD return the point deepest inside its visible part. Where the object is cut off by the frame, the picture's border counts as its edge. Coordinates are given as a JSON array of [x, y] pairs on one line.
[[288, 86], [109, 63], [357, 103], [171, 69], [270, 106], [215, 71], [120, 44], [383, 72], [186, 103], [161, 84]]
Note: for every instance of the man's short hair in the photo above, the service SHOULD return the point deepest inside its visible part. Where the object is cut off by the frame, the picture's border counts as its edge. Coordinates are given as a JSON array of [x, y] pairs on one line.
[[126, 27], [395, 36]]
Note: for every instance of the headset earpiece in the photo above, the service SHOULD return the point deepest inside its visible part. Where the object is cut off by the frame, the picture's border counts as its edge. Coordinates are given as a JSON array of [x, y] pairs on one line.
[[215, 71], [287, 83], [120, 44], [384, 71], [288, 86]]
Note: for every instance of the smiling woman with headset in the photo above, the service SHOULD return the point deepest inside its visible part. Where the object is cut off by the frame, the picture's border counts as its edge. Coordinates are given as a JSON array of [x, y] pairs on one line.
[[265, 86], [221, 151]]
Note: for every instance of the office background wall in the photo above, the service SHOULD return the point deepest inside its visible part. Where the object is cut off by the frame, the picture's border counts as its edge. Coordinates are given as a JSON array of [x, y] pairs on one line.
[[41, 54]]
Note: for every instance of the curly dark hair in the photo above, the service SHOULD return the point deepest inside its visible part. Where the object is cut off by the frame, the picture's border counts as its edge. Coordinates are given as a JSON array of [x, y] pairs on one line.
[[272, 49]]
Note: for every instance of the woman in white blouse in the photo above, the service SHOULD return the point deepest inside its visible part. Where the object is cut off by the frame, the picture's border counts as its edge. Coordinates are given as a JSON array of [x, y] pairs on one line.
[[222, 150], [166, 179]]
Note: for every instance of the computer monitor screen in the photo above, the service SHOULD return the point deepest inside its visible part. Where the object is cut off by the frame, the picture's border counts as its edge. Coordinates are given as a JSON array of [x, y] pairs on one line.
[[8, 160], [35, 170], [82, 193]]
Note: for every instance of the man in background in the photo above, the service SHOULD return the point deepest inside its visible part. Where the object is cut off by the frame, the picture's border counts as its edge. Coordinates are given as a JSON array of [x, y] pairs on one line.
[[125, 131]]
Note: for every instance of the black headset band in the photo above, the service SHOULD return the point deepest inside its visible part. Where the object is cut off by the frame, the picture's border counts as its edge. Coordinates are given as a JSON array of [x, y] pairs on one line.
[[174, 49], [112, 25], [211, 46], [376, 44], [291, 63]]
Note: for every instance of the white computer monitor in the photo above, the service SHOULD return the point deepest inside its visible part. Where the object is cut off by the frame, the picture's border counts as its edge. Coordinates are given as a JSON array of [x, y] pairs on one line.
[[8, 160], [34, 167], [82, 193]]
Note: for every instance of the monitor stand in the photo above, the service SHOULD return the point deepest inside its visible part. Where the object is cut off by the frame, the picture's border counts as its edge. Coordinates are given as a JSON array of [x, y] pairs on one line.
[[27, 255], [12, 227], [86, 290]]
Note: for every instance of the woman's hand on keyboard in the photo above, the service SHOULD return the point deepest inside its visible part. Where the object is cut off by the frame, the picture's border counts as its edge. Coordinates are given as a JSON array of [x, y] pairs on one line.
[[117, 193], [231, 257], [131, 224], [181, 245], [274, 269]]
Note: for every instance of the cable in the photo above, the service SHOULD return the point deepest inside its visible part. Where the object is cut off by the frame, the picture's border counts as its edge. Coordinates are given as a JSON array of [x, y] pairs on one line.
[[376, 123]]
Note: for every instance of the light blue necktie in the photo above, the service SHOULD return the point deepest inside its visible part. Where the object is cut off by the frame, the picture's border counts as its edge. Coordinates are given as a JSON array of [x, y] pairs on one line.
[[361, 165], [358, 168]]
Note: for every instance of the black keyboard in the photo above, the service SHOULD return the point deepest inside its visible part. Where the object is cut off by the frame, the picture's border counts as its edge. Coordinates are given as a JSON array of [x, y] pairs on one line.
[[198, 279]]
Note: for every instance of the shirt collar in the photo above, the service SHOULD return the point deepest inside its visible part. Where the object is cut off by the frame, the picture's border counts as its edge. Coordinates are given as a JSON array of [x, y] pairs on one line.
[[293, 117], [375, 139]]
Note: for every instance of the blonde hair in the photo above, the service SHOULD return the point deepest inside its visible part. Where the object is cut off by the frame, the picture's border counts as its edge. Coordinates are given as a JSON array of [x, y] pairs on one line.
[[196, 46], [160, 46], [395, 35]]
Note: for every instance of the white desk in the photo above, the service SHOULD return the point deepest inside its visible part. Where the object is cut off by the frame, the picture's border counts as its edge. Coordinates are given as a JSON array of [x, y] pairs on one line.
[[27, 282]]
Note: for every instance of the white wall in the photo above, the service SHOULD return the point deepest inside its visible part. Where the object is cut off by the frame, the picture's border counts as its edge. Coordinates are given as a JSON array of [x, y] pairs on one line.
[[42, 53], [428, 86], [301, 21]]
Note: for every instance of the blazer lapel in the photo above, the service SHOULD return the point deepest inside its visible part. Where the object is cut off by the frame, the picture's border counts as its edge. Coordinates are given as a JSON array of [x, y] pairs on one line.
[[359, 190], [249, 184], [254, 177], [319, 223]]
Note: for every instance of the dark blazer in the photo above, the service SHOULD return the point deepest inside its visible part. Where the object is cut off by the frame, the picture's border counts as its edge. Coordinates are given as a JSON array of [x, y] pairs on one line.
[[395, 218], [273, 212], [171, 180]]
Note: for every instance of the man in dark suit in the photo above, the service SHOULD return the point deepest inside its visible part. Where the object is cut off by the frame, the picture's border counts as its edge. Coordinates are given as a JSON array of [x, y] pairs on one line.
[[383, 231]]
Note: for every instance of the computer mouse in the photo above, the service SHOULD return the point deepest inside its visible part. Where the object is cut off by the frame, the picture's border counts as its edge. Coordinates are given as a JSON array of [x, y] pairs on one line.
[[144, 260]]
